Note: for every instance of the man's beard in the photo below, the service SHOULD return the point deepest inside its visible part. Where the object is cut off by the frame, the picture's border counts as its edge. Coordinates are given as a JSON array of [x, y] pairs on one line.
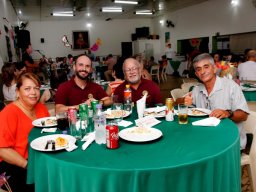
[[81, 77]]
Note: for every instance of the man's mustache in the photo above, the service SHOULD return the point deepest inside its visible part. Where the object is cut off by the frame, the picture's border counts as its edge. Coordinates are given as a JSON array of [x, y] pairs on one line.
[[84, 71]]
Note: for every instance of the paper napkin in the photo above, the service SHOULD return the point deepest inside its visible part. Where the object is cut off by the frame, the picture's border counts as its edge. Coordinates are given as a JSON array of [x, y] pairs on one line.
[[71, 146], [141, 105], [148, 121], [89, 140], [211, 121], [49, 130], [124, 123]]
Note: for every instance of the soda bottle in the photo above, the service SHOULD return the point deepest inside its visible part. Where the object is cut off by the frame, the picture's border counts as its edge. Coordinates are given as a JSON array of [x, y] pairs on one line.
[[127, 98], [100, 125]]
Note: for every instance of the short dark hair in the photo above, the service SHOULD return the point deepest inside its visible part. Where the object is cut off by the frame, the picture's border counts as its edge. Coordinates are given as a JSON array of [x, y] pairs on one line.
[[19, 65]]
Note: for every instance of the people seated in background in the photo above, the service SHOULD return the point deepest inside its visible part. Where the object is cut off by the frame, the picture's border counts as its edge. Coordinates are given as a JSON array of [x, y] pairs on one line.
[[16, 123], [139, 86], [110, 62], [217, 60], [79, 89], [27, 59], [247, 70], [118, 75], [10, 74], [221, 95], [9, 77], [163, 62], [143, 62], [150, 63], [90, 55]]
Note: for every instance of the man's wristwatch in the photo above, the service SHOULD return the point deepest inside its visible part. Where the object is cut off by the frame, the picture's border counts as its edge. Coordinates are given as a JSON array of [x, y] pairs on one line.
[[230, 113]]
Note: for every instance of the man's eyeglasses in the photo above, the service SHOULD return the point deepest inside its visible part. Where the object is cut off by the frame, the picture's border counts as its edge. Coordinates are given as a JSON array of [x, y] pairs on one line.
[[131, 69]]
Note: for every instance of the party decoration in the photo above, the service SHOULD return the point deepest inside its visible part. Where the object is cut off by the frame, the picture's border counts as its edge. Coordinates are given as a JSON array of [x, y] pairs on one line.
[[96, 45]]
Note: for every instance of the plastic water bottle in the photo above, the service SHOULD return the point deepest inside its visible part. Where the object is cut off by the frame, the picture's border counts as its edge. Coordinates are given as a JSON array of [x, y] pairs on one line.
[[98, 76], [100, 125], [127, 98]]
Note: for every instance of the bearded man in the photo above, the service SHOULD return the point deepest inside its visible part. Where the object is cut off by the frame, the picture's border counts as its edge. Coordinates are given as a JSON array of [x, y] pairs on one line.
[[133, 76], [79, 89]]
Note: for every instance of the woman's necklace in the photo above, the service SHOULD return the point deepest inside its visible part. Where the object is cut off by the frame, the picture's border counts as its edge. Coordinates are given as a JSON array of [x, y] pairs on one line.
[[30, 113]]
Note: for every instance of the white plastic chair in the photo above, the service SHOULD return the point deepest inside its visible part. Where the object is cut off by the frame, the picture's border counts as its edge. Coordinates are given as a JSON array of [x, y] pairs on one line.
[[177, 93], [163, 74], [186, 86], [154, 71], [250, 127]]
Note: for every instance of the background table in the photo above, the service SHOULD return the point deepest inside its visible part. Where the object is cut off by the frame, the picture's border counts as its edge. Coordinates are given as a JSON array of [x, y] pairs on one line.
[[180, 66], [250, 95], [187, 158]]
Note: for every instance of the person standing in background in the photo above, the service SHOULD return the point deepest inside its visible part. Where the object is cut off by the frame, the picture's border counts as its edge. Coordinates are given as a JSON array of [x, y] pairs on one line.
[[170, 54], [27, 59]]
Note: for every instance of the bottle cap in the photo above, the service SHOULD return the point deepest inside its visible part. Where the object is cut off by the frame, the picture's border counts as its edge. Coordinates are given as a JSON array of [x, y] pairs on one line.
[[127, 86]]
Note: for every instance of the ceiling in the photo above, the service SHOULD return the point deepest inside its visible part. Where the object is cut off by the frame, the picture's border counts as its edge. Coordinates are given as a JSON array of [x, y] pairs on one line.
[[40, 10]]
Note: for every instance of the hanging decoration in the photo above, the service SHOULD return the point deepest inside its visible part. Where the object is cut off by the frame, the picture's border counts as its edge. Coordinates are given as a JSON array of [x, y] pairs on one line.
[[96, 45]]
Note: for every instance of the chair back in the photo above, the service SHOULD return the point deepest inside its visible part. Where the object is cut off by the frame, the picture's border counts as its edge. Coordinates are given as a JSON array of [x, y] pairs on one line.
[[186, 86], [250, 127], [154, 70], [177, 93]]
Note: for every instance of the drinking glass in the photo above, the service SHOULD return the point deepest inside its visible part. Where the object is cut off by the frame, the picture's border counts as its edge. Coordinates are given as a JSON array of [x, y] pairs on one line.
[[117, 111], [62, 121], [183, 114]]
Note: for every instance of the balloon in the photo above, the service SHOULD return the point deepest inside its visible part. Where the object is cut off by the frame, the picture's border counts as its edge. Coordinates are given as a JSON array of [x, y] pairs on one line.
[[95, 47], [98, 41]]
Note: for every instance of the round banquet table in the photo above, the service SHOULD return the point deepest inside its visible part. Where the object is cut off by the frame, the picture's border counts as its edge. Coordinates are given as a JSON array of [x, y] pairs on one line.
[[187, 158]]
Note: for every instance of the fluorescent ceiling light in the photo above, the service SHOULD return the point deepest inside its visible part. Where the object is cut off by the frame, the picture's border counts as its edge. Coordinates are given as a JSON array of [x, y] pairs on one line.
[[126, 2], [234, 2], [111, 9], [144, 12], [64, 14]]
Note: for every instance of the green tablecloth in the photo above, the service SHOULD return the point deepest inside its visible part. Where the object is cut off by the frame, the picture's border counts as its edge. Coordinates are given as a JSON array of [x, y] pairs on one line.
[[250, 95], [187, 158]]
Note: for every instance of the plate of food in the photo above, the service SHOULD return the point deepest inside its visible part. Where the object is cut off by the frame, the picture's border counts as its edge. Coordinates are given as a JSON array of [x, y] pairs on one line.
[[45, 122], [140, 134], [112, 114], [157, 112], [198, 112], [54, 142]]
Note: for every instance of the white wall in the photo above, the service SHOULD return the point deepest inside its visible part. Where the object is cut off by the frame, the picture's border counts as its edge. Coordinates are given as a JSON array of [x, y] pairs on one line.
[[205, 19], [6, 11], [111, 33]]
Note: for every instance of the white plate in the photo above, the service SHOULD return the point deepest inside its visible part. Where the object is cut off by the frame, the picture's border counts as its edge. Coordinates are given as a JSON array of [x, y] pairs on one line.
[[38, 122], [40, 143], [199, 112], [136, 134], [248, 88], [110, 116]]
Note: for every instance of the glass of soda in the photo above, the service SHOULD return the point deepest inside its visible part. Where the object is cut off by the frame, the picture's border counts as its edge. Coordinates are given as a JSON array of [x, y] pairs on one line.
[[62, 121]]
